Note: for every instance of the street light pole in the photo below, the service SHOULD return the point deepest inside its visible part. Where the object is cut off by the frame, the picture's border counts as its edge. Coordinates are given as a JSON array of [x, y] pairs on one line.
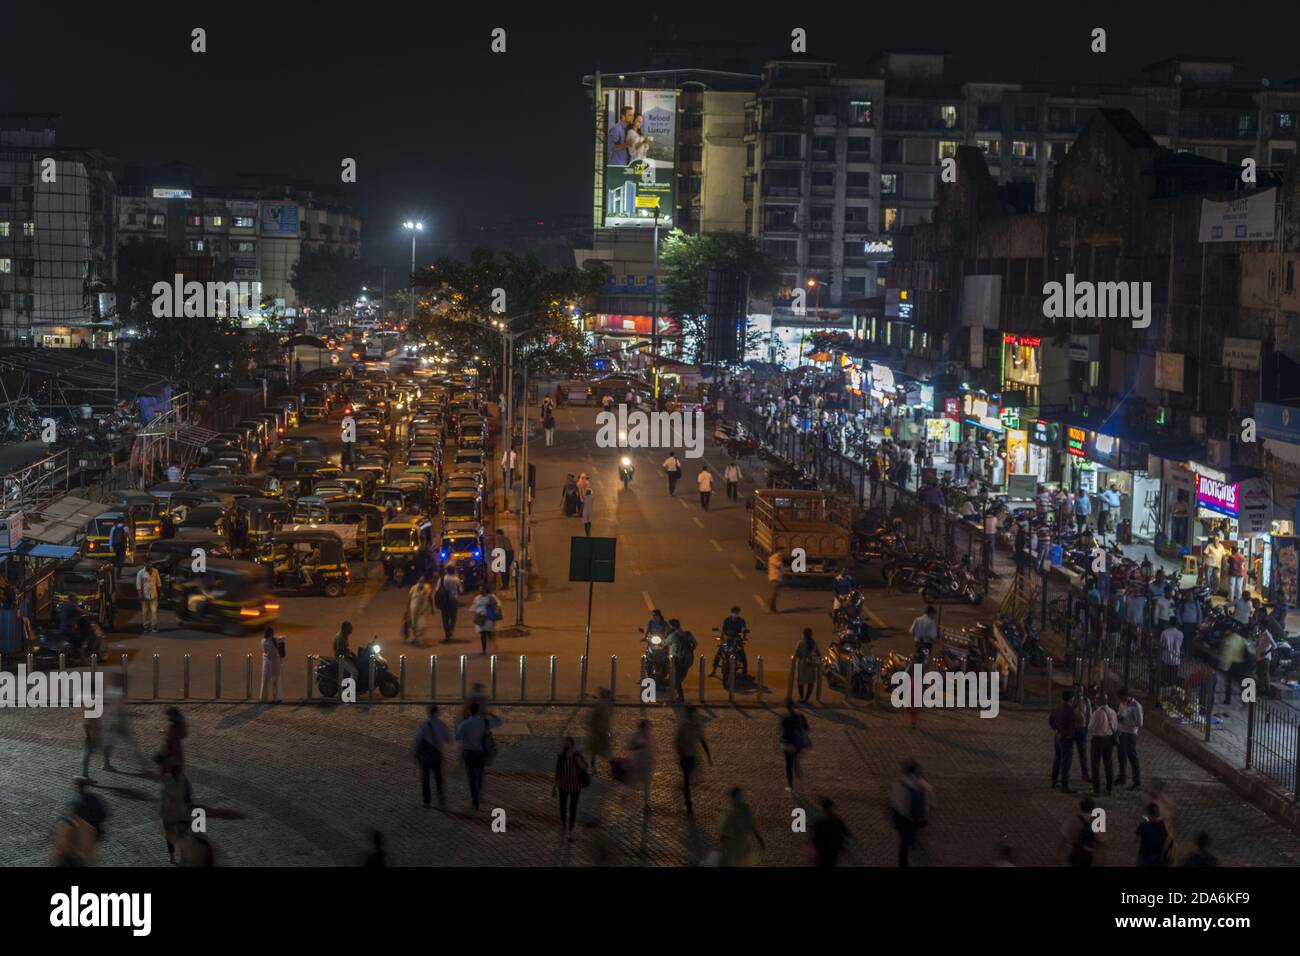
[[521, 577], [412, 228], [654, 312]]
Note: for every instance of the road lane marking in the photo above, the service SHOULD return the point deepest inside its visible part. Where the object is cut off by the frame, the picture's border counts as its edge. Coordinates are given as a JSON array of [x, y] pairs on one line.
[[649, 604], [682, 502], [716, 546], [698, 522], [875, 619], [737, 572], [762, 605]]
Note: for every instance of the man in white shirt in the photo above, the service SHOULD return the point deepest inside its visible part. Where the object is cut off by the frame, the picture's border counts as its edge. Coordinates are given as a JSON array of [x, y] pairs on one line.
[[508, 463], [1171, 651], [1102, 729], [705, 482], [1242, 609], [147, 585], [925, 632], [990, 539], [1212, 560]]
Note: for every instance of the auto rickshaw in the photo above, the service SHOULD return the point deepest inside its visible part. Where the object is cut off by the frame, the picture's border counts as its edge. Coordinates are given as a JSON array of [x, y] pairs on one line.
[[171, 554], [91, 586], [232, 596], [406, 499], [461, 508], [97, 536], [369, 520], [211, 518], [462, 549], [360, 484], [310, 510], [400, 545], [310, 562], [273, 487], [374, 473], [262, 517], [332, 490], [145, 513]]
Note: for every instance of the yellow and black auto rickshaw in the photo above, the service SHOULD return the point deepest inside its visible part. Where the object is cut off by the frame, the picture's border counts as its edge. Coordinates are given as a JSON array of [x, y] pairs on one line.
[[144, 513], [309, 562], [97, 544], [462, 549], [369, 521], [400, 547], [406, 500], [360, 483], [231, 596], [309, 509], [91, 586], [209, 518], [261, 518]]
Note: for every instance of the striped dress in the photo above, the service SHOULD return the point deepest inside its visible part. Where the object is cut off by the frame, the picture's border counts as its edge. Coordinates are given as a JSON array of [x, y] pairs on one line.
[[568, 778]]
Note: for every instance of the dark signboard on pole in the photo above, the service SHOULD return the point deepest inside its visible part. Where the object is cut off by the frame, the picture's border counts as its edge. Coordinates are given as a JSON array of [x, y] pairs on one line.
[[592, 559]]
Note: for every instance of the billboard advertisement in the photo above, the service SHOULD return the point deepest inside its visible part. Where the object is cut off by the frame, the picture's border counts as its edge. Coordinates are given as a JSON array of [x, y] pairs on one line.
[[638, 324], [640, 145], [1217, 496], [279, 219], [1239, 220]]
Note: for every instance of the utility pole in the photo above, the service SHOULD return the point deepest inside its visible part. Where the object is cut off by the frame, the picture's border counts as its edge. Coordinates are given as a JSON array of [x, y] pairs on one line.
[[654, 312], [521, 575]]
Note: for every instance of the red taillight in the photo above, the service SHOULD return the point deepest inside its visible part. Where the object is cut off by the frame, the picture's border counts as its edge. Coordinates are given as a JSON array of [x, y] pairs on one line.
[[272, 606], [249, 612]]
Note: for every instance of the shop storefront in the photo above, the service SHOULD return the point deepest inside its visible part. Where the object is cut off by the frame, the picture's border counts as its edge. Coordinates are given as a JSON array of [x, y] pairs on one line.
[[1022, 368], [982, 426], [1044, 439]]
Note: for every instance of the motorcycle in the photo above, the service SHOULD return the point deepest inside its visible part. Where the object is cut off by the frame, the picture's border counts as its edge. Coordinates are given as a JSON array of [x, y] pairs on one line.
[[728, 651], [327, 673], [847, 608], [626, 470], [656, 657], [849, 659], [947, 583]]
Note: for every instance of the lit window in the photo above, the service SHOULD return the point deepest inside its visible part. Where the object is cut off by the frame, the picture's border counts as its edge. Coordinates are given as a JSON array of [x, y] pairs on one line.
[[889, 221], [29, 229], [6, 265], [4, 230], [243, 222], [1022, 149], [888, 183], [992, 148], [947, 149], [948, 116], [218, 221]]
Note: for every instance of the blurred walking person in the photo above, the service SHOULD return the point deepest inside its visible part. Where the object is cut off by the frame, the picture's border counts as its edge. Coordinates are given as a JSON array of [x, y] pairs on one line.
[[117, 725], [829, 836], [477, 747], [807, 658], [176, 731], [673, 469], [93, 741], [600, 728], [909, 799], [588, 511], [571, 776], [272, 665], [738, 832], [419, 608], [795, 739], [486, 610], [431, 740], [732, 476], [705, 482], [689, 742], [175, 803]]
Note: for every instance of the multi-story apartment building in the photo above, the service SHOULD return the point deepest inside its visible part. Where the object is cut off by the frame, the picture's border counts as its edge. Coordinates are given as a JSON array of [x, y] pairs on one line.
[[57, 239]]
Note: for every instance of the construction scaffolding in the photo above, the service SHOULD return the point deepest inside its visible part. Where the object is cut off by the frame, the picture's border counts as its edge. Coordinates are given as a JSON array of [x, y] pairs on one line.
[[170, 438]]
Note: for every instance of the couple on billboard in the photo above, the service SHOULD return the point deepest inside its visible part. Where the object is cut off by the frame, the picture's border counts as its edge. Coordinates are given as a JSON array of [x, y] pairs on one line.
[[627, 143]]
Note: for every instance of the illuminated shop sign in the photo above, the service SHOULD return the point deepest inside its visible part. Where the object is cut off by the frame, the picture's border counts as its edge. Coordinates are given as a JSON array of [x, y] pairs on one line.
[[1043, 433], [1028, 341], [1105, 450], [1076, 441], [1219, 496]]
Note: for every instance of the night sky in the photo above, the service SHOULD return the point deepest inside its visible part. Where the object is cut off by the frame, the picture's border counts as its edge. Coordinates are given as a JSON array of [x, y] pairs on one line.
[[445, 130]]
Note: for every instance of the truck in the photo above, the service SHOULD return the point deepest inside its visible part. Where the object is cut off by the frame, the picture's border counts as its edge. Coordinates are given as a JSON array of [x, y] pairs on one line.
[[782, 519]]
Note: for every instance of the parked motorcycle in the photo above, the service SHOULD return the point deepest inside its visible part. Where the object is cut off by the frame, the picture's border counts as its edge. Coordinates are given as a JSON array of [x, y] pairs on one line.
[[947, 582], [849, 658], [847, 609], [327, 673]]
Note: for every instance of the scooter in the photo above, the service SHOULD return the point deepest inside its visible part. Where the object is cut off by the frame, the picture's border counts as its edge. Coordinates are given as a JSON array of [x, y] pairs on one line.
[[626, 470], [656, 657], [327, 673], [849, 659], [848, 608]]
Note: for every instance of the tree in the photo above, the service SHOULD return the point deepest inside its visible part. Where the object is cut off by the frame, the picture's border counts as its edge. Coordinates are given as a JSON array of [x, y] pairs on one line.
[[322, 279], [455, 308], [687, 261]]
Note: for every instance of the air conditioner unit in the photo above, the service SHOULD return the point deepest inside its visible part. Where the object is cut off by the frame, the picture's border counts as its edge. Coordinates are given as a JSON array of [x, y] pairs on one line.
[[11, 530]]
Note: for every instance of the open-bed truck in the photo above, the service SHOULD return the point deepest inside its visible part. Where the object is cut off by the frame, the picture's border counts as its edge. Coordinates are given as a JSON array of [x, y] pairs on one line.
[[783, 519]]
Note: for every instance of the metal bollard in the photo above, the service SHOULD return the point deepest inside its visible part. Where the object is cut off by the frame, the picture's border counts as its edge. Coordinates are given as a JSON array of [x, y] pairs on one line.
[[125, 688], [464, 677], [1049, 682], [157, 673], [819, 685], [185, 677], [1020, 679], [401, 677], [582, 679], [94, 662], [63, 661], [310, 683], [492, 677], [216, 678], [672, 679], [370, 691], [731, 681], [31, 662], [248, 677], [613, 676], [523, 678], [702, 678], [848, 684], [759, 688], [433, 677], [789, 681], [552, 678]]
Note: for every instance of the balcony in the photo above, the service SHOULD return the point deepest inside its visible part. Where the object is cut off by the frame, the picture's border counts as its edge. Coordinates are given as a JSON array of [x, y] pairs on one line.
[[789, 191]]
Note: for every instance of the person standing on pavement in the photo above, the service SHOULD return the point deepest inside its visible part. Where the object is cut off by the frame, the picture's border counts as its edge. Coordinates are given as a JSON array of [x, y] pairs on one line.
[[1061, 720], [419, 607], [588, 511], [475, 736], [175, 800], [775, 569], [502, 540], [673, 469], [807, 658], [705, 482], [1082, 511], [1130, 722], [571, 776], [117, 540], [600, 724], [689, 742], [1236, 574], [1232, 661], [639, 762], [795, 739], [1102, 729], [732, 477], [1211, 562], [1082, 842], [681, 648], [1171, 651], [990, 538], [147, 585], [548, 425], [431, 739], [486, 610], [909, 799], [272, 664], [1155, 843], [509, 461], [1083, 711], [925, 631], [1265, 645], [447, 600]]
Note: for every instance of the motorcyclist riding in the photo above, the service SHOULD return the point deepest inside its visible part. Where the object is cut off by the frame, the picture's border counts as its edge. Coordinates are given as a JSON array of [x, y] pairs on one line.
[[343, 653], [733, 633], [657, 624]]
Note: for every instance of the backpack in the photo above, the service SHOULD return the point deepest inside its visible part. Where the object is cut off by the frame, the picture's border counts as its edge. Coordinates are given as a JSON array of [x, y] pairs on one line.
[[494, 610], [441, 597]]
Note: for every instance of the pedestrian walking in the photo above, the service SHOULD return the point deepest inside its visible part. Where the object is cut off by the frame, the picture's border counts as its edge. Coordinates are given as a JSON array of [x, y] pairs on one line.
[[588, 511], [502, 540], [681, 648], [600, 723], [117, 540], [175, 802], [1061, 720], [1265, 645], [830, 834], [1171, 651], [705, 482], [419, 608], [431, 740], [738, 832], [807, 658], [478, 747], [571, 776], [732, 476], [1155, 842], [175, 732], [689, 741], [925, 631], [1201, 856], [272, 664], [795, 739], [673, 469], [1130, 722], [1211, 562], [1102, 729], [117, 725], [1082, 843], [1236, 574], [487, 611], [446, 598], [775, 570], [636, 766], [509, 461], [147, 586], [548, 425], [1083, 711], [910, 799], [94, 741]]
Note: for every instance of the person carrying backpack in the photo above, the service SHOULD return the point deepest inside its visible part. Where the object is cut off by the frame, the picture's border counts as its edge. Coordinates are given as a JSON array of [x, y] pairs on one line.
[[446, 599], [681, 646], [487, 611], [1081, 840]]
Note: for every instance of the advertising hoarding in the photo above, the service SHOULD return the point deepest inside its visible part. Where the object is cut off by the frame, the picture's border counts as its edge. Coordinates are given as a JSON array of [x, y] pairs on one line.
[[1216, 496], [640, 148], [1239, 220], [279, 219]]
